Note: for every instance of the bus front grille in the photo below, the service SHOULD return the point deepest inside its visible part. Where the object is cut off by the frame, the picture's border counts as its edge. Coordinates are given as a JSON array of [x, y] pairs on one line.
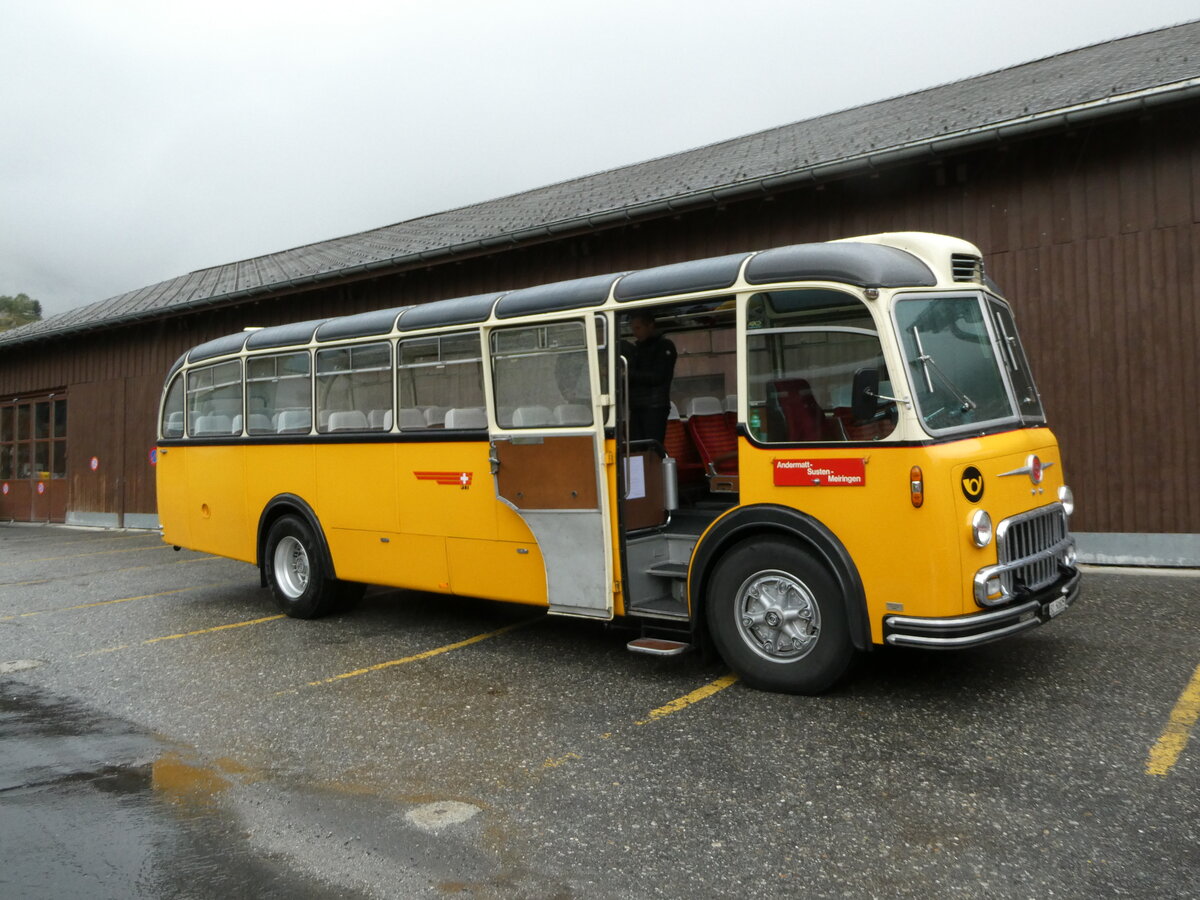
[[1030, 548]]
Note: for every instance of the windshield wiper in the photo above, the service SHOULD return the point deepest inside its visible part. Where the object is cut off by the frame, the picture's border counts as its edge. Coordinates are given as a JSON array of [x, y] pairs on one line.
[[929, 364]]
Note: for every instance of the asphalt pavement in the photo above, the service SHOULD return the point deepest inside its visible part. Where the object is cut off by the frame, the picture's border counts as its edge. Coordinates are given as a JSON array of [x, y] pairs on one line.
[[165, 733]]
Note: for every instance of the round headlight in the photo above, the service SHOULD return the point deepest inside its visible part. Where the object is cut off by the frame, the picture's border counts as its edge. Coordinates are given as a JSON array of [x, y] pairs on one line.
[[1067, 499], [981, 528]]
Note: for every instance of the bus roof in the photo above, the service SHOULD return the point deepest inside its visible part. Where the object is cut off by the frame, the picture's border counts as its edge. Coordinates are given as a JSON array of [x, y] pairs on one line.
[[863, 263]]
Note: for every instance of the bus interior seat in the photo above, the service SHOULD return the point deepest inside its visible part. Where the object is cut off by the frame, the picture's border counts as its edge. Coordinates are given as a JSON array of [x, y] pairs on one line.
[[731, 409], [689, 469], [531, 417], [715, 440], [323, 420], [259, 423], [379, 420], [214, 424], [347, 420], [435, 416], [236, 428], [411, 418], [795, 414], [174, 423], [572, 414], [293, 421], [467, 417]]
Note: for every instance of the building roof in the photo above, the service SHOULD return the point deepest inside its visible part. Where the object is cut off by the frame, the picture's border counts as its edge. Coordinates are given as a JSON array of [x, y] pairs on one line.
[[1101, 80]]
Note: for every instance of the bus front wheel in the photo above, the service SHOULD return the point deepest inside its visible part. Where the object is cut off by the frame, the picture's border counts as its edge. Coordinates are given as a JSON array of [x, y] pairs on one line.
[[777, 618], [296, 572]]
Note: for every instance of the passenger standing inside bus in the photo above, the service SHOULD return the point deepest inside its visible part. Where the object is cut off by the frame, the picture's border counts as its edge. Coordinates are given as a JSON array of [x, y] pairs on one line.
[[651, 366]]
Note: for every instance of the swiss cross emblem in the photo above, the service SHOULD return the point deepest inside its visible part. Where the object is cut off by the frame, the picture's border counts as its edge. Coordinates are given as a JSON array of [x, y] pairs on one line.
[[447, 479]]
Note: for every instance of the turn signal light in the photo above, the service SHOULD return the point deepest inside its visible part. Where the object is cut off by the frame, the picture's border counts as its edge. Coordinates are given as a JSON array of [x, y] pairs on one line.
[[916, 486]]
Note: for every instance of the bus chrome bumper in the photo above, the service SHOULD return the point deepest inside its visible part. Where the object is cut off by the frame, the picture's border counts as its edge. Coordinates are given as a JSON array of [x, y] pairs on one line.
[[956, 632]]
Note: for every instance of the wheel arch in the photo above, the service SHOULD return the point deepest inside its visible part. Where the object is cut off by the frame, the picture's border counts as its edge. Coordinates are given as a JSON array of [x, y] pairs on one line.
[[278, 507], [769, 520]]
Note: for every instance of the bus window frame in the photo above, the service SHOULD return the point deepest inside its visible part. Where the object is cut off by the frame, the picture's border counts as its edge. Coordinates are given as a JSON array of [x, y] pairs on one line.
[[439, 336], [982, 299], [585, 319]]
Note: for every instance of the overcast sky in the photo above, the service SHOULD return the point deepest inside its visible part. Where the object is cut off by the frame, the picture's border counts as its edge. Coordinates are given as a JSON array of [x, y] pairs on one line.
[[143, 140]]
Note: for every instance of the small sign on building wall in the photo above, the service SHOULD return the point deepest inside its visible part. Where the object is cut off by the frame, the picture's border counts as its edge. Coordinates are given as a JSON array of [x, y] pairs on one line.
[[94, 463]]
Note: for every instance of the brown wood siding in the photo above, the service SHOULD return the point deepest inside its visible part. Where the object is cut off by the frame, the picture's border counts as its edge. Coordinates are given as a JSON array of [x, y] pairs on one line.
[[1091, 234]]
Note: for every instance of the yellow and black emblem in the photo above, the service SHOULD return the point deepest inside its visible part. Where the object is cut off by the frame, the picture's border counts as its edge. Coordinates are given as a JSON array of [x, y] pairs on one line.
[[972, 484]]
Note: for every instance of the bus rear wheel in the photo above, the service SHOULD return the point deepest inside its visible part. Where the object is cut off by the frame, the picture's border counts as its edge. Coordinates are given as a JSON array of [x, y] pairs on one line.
[[777, 618], [297, 573]]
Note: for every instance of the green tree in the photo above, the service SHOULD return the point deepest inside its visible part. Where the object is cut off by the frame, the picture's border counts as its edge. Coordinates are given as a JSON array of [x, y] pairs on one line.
[[19, 310]]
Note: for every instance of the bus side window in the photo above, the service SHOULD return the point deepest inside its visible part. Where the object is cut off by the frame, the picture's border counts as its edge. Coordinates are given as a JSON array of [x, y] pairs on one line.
[[172, 423], [276, 385], [353, 383], [803, 350], [541, 376], [214, 399], [440, 383]]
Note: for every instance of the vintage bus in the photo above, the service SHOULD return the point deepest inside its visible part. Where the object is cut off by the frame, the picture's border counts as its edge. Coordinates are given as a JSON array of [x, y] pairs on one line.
[[855, 455]]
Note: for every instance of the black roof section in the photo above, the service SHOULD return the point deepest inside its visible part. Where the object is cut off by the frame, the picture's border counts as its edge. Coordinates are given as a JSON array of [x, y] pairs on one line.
[[458, 311], [681, 278], [864, 265], [574, 294], [229, 343], [378, 321], [1102, 80], [283, 335]]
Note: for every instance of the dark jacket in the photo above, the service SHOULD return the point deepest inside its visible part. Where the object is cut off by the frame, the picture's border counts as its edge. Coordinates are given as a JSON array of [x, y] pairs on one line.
[[651, 367]]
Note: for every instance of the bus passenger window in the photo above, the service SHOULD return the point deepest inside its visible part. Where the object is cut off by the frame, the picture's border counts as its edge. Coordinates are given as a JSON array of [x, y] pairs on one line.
[[803, 349], [172, 423], [276, 385], [214, 399], [440, 383], [541, 376], [352, 383]]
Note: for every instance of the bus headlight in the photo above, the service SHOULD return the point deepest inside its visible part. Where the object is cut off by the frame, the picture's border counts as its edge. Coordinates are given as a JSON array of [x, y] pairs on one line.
[[1067, 498], [981, 528]]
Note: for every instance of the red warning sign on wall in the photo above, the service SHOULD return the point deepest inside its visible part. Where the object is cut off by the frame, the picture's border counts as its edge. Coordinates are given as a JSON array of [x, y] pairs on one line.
[[820, 472]]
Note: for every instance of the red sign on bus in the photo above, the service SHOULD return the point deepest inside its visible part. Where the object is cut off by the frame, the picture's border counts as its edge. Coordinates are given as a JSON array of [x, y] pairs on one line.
[[820, 472]]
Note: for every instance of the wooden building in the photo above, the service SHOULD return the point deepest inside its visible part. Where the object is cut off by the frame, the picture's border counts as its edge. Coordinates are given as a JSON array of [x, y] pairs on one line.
[[1078, 175]]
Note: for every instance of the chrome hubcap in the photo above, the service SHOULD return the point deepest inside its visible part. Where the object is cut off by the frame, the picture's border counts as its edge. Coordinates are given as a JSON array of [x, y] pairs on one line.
[[778, 616], [291, 567]]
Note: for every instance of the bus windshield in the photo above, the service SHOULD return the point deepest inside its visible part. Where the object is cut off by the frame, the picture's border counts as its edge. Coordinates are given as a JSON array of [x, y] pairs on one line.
[[957, 362]]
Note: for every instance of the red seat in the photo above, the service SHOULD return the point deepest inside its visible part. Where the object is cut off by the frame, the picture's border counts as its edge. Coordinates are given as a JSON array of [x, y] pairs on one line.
[[803, 418], [678, 445], [715, 440]]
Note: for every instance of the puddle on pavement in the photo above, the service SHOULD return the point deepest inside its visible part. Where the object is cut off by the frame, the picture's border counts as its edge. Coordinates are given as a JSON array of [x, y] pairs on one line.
[[95, 807]]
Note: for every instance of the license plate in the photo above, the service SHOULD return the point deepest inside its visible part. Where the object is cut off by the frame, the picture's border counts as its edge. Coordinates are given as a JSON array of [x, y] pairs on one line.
[[1057, 605]]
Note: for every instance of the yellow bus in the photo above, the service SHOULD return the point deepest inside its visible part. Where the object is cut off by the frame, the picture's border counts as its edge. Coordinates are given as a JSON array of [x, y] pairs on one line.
[[854, 454]]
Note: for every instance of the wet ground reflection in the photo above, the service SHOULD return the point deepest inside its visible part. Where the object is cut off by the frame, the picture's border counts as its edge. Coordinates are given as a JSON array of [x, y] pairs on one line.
[[92, 807]]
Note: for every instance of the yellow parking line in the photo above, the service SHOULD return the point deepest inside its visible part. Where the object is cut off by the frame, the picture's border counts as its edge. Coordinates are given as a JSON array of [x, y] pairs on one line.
[[175, 637], [42, 612], [416, 657], [688, 699], [1165, 752], [19, 562]]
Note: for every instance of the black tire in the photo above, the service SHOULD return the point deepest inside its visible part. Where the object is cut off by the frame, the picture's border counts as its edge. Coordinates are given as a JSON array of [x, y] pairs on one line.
[[294, 564], [777, 618]]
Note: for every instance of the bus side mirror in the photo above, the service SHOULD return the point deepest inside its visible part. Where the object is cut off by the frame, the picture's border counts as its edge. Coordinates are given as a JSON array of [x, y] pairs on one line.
[[864, 395]]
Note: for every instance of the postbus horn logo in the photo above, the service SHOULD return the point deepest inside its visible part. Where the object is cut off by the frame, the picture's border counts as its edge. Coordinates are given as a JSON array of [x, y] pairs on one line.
[[972, 484]]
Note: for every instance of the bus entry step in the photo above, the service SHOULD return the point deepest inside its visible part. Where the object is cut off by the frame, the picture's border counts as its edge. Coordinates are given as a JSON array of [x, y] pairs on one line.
[[657, 646]]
